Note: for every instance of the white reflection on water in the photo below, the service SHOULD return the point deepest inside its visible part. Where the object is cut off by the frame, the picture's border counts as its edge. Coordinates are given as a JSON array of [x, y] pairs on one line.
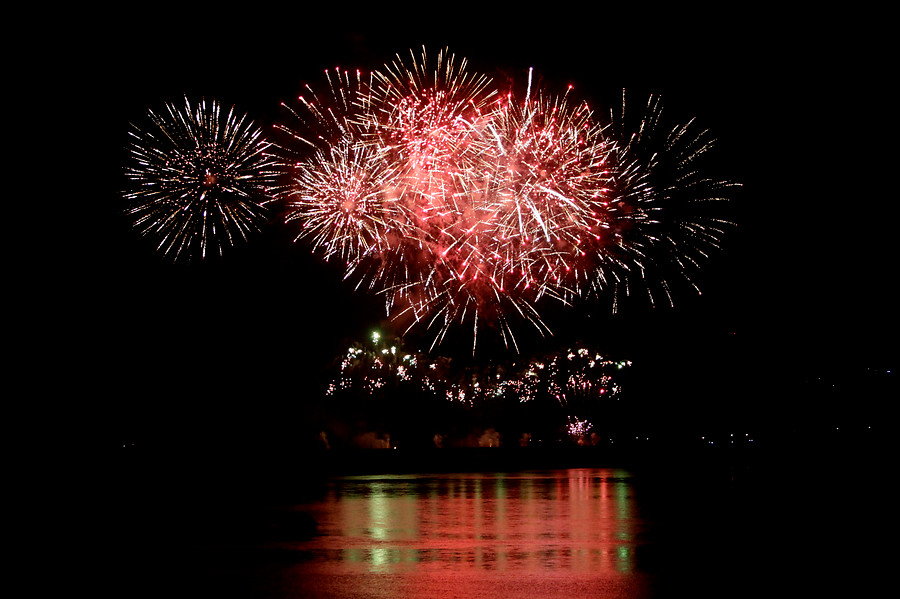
[[568, 521]]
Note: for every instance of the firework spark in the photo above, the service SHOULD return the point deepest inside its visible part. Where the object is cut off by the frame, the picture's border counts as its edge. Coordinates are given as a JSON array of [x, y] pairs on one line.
[[564, 389], [674, 221], [198, 178], [460, 204]]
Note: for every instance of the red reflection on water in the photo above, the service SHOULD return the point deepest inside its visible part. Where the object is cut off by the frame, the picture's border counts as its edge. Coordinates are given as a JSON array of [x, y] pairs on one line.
[[562, 522]]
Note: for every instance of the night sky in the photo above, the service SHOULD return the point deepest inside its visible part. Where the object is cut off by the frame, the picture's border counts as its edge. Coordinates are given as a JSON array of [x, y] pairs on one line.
[[803, 287]]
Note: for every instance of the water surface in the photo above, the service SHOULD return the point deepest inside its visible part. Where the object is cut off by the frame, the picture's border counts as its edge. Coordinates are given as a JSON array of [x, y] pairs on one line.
[[563, 533], [594, 532]]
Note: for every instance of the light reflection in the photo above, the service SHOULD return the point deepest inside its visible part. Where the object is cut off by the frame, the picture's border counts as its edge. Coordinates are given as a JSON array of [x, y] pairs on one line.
[[572, 520]]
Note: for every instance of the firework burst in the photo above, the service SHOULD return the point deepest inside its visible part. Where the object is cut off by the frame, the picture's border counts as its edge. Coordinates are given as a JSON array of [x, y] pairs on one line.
[[198, 178], [461, 204], [336, 193], [673, 219], [549, 162], [427, 123]]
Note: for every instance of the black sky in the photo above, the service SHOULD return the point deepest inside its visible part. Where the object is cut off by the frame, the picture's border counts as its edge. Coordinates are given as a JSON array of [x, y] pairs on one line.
[[798, 102]]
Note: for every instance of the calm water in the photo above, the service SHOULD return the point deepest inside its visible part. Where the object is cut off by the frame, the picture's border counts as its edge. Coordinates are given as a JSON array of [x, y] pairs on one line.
[[549, 534], [554, 533]]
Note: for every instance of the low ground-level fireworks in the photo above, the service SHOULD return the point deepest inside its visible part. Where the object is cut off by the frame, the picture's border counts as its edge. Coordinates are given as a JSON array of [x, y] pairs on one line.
[[382, 393]]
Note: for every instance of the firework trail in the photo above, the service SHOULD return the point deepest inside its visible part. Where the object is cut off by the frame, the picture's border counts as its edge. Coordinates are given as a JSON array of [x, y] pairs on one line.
[[198, 179], [462, 204]]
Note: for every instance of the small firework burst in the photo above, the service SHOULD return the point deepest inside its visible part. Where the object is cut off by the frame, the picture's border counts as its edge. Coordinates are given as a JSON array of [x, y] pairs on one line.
[[198, 179], [578, 429], [337, 197]]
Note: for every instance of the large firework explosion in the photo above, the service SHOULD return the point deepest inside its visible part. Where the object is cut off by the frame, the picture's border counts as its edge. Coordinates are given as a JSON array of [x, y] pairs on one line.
[[460, 203], [454, 200], [198, 178]]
